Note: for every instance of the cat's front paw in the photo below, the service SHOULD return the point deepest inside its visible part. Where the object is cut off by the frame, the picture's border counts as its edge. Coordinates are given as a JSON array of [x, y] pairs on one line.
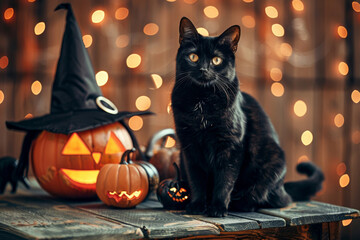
[[196, 208], [217, 211]]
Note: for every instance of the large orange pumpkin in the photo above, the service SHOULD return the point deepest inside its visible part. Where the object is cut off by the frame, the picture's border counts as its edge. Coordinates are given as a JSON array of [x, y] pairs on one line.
[[67, 165], [122, 185]]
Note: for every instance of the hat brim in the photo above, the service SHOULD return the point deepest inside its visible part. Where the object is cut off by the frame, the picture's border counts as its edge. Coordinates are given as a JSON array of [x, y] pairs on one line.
[[70, 122]]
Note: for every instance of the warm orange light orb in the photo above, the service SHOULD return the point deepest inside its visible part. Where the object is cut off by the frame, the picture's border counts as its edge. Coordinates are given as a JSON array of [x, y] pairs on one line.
[[2, 96], [298, 5], [39, 28], [277, 89], [307, 137], [87, 39], [303, 158], [340, 169], [346, 222], [271, 12], [101, 78], [343, 68], [211, 12], [9, 13], [36, 87], [286, 49], [344, 180], [190, 1], [98, 16], [122, 41], [356, 6], [278, 30], [143, 103], [248, 21], [4, 62], [276, 74], [157, 79], [170, 142], [203, 31], [300, 108], [136, 123], [151, 29], [339, 120], [133, 60], [355, 96], [121, 13], [342, 32], [28, 116]]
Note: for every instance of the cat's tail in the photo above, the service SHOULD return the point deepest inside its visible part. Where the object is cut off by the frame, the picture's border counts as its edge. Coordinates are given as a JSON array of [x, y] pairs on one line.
[[303, 190]]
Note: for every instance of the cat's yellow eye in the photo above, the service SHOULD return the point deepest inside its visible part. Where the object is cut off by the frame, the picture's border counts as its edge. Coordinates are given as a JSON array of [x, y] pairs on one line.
[[193, 57], [217, 60]]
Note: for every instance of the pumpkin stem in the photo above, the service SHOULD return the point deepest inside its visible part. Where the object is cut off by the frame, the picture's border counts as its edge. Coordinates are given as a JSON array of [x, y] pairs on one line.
[[125, 158], [178, 176]]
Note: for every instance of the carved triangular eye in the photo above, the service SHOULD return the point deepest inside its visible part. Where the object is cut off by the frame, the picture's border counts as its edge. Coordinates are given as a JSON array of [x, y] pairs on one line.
[[114, 145], [75, 146]]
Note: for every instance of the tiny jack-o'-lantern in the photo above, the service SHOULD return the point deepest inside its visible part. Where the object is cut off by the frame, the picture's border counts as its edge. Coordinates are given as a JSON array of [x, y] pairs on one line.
[[122, 185], [174, 194], [163, 156], [83, 131]]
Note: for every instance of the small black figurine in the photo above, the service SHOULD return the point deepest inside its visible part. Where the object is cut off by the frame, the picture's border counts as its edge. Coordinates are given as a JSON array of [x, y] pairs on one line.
[[8, 167]]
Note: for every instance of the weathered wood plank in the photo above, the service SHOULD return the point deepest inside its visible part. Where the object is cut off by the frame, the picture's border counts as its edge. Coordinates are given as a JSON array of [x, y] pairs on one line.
[[155, 223], [265, 221], [34, 217], [229, 223], [300, 213]]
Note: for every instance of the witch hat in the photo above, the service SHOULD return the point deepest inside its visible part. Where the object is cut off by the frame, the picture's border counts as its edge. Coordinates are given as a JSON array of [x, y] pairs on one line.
[[77, 103]]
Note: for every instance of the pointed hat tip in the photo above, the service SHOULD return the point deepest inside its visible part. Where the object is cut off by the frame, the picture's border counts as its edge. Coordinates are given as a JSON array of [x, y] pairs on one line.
[[63, 6]]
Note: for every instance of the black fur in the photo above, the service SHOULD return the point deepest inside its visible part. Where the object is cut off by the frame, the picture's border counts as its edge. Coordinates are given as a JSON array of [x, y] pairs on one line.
[[8, 166], [230, 149]]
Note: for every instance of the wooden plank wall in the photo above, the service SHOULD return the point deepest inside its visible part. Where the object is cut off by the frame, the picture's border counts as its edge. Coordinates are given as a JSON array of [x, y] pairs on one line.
[[310, 74]]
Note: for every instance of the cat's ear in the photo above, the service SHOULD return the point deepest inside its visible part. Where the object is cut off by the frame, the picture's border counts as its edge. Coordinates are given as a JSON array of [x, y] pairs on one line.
[[231, 37], [187, 30]]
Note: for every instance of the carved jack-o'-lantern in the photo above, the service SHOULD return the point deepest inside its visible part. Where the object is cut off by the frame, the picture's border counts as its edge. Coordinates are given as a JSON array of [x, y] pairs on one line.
[[68, 165], [174, 193], [122, 185]]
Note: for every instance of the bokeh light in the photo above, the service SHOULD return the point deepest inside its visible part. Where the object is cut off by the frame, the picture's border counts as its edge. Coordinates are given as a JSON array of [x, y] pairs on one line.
[[190, 1], [355, 96], [39, 28], [151, 29], [307, 137], [143, 103], [36, 87], [87, 39], [277, 89], [346, 222], [248, 21], [121, 13], [340, 169], [303, 158], [157, 79], [355, 137], [28, 116], [342, 32], [300, 108], [98, 16], [171, 0], [101, 78], [275, 74], [285, 49], [277, 30], [271, 12], [339, 120], [122, 41], [170, 142], [343, 68], [133, 60], [9, 13], [4, 62], [248, 1], [2, 96], [356, 6], [203, 31], [298, 5], [169, 108], [344, 180], [136, 123], [211, 12]]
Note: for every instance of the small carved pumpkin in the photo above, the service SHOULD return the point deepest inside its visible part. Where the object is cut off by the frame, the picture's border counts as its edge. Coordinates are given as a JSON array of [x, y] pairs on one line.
[[174, 194], [67, 165], [122, 185]]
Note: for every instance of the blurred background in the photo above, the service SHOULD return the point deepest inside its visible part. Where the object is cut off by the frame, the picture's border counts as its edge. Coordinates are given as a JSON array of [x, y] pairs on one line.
[[297, 57]]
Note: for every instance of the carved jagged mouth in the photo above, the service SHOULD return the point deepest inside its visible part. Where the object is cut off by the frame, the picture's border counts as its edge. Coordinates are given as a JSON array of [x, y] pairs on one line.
[[84, 179], [123, 195]]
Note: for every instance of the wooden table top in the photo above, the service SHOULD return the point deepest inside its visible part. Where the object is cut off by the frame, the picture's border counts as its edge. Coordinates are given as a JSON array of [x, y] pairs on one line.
[[36, 215]]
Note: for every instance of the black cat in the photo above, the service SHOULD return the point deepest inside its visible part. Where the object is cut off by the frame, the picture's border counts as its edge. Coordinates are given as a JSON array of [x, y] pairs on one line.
[[230, 150], [8, 168]]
